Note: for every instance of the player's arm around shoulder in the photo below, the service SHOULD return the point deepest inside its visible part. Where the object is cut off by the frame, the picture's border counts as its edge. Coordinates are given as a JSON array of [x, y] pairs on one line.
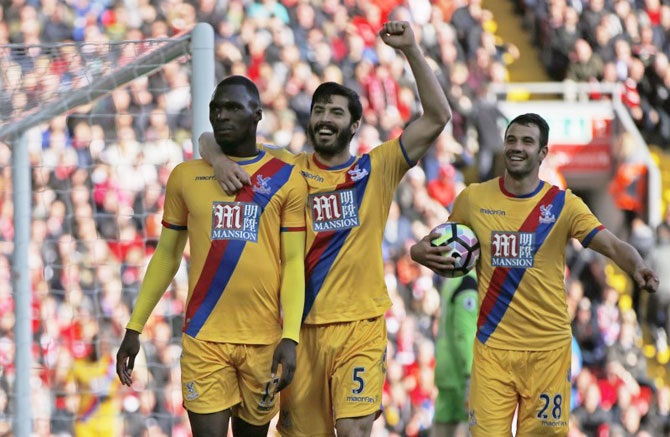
[[160, 272], [421, 133], [230, 175], [626, 257]]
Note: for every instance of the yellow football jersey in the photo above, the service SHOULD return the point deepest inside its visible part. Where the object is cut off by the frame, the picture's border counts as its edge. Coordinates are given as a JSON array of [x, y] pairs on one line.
[[235, 270], [346, 214], [97, 386], [522, 263]]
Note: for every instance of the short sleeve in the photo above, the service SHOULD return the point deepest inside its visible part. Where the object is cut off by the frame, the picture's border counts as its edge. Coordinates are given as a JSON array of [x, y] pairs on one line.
[[293, 210], [392, 159], [461, 210], [584, 225], [175, 214]]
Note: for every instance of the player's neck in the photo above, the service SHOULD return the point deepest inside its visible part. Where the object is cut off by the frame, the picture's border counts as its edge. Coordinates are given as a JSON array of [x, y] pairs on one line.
[[523, 186], [241, 150], [334, 160]]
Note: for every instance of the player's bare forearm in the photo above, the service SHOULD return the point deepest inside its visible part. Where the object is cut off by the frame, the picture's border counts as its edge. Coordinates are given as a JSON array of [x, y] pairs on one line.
[[160, 272], [292, 293], [209, 150], [433, 100], [626, 257], [421, 133]]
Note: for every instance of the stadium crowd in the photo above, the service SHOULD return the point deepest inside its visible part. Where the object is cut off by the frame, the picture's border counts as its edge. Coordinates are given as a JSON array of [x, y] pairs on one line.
[[99, 178], [613, 41]]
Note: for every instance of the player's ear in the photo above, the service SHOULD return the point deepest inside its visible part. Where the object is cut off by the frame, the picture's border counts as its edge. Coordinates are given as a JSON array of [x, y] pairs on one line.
[[258, 115], [543, 152], [354, 127]]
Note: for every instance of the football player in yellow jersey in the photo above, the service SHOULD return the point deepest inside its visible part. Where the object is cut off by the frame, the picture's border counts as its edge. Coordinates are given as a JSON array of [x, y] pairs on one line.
[[522, 349], [246, 274], [341, 357]]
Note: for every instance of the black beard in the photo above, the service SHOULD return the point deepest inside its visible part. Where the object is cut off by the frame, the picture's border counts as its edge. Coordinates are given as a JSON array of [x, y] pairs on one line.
[[341, 143]]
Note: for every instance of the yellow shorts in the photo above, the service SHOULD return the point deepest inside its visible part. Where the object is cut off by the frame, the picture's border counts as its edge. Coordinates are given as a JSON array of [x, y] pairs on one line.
[[340, 373], [538, 381], [218, 376]]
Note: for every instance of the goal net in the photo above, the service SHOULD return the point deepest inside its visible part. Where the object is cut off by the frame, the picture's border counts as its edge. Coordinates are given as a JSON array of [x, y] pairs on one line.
[[103, 123]]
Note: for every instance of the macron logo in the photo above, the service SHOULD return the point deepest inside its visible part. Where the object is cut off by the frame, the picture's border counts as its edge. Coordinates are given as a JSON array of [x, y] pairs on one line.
[[311, 176], [492, 211]]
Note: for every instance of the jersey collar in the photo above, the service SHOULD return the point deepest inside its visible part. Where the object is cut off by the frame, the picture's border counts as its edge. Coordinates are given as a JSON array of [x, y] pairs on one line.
[[501, 182], [251, 159], [335, 167]]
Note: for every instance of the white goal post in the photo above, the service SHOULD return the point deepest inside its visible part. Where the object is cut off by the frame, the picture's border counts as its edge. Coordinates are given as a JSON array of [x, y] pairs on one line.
[[198, 43]]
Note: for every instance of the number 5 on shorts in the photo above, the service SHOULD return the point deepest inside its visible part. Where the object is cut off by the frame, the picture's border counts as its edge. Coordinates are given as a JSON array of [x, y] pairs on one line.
[[357, 378]]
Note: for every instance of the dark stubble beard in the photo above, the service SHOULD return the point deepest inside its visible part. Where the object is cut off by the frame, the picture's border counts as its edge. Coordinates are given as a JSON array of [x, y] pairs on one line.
[[341, 142]]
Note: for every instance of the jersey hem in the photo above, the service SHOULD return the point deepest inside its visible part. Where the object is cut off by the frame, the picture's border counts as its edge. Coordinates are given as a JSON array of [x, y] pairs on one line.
[[215, 339], [346, 319], [284, 433], [293, 229], [553, 346]]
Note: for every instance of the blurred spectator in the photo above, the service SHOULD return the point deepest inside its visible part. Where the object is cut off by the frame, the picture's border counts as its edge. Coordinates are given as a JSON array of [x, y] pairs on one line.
[[633, 36], [590, 416], [585, 65], [627, 351], [608, 316], [658, 419], [586, 332]]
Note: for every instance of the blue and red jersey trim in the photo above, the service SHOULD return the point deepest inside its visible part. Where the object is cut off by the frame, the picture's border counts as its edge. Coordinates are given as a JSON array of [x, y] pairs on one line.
[[90, 410], [293, 229], [323, 166], [587, 240], [501, 183], [175, 227]]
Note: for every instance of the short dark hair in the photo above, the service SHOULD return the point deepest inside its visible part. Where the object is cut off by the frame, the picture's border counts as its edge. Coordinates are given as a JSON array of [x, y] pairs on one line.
[[533, 119], [327, 89], [245, 82]]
